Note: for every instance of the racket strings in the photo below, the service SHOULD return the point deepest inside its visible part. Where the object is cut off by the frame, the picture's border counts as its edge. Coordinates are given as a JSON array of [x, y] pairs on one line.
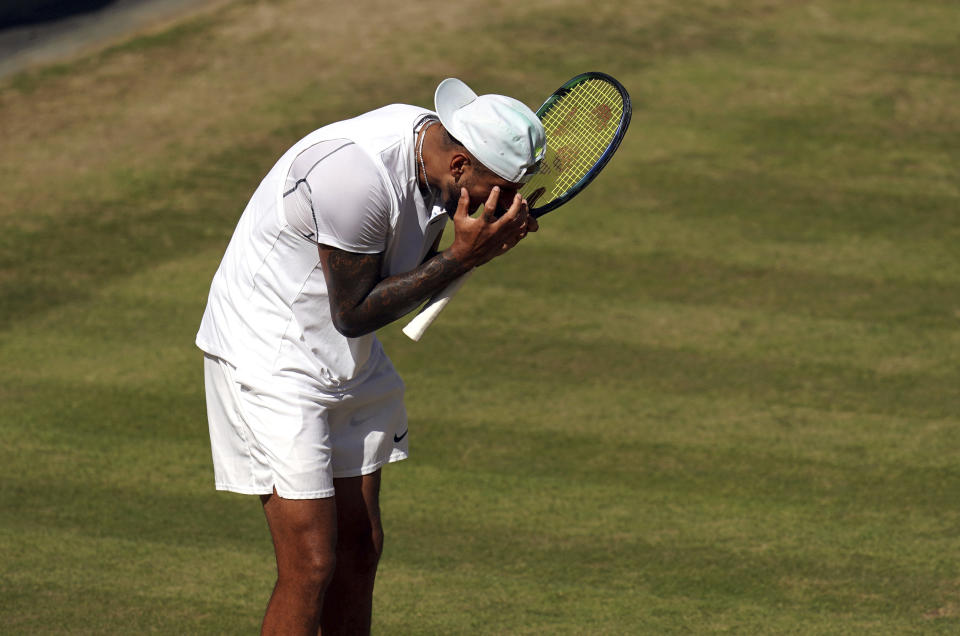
[[581, 142], [580, 126]]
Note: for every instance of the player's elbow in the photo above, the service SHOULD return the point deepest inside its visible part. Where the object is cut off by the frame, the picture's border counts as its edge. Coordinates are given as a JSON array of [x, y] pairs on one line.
[[350, 328]]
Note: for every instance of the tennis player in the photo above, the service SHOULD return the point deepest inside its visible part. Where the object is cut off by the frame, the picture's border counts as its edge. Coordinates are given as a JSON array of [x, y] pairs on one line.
[[338, 240]]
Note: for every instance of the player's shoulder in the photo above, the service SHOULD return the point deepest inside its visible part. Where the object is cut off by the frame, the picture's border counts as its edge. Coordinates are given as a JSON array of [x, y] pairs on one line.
[[396, 118], [339, 151], [401, 109]]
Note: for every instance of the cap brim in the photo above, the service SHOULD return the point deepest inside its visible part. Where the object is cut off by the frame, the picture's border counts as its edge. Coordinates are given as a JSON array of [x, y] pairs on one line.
[[452, 95]]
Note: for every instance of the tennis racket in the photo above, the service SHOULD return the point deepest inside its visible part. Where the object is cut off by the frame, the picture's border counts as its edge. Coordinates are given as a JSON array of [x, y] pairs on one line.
[[585, 121]]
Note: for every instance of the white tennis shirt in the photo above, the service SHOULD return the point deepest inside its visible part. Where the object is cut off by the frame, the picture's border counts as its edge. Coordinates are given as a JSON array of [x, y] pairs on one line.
[[350, 185]]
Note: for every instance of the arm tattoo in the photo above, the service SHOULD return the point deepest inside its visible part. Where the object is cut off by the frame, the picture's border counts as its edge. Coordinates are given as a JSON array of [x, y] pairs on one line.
[[361, 302]]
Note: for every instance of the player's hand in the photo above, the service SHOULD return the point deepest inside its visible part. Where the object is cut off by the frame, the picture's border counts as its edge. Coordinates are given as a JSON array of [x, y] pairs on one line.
[[478, 240]]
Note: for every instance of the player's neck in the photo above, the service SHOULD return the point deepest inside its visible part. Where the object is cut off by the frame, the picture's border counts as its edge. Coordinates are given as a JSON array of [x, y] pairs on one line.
[[425, 150]]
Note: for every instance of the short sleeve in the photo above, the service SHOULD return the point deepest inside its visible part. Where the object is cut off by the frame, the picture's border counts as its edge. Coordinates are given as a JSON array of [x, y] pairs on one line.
[[336, 196]]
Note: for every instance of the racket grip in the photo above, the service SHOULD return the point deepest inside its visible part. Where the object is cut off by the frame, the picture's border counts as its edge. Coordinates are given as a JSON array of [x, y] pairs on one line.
[[415, 328]]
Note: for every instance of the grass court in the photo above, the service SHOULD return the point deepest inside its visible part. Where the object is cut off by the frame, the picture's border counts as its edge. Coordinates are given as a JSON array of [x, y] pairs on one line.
[[719, 392]]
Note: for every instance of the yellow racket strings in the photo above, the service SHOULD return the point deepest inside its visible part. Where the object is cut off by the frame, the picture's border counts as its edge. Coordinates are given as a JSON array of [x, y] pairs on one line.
[[579, 127]]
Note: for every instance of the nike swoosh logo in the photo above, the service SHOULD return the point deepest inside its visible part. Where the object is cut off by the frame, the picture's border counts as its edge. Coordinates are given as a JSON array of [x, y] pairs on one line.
[[397, 438]]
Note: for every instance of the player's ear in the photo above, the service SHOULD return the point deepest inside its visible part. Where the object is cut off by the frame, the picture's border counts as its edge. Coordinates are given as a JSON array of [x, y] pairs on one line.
[[459, 163]]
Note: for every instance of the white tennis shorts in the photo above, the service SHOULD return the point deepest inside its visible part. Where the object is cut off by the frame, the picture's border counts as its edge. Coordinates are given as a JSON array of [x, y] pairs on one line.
[[298, 443]]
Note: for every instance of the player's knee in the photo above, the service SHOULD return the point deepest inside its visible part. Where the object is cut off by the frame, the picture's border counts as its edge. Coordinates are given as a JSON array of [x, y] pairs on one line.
[[320, 568], [314, 568]]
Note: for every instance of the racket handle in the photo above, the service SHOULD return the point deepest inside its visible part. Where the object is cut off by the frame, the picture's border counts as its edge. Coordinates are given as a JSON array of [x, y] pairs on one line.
[[415, 328]]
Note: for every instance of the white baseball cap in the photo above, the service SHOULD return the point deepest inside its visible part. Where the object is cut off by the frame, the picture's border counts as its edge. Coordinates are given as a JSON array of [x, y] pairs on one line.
[[501, 132]]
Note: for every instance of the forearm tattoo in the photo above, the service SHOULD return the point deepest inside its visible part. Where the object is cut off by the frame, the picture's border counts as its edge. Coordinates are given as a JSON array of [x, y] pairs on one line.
[[361, 302]]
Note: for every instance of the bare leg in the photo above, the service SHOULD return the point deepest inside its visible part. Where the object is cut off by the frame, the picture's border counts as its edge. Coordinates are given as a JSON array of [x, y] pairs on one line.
[[304, 535], [348, 602]]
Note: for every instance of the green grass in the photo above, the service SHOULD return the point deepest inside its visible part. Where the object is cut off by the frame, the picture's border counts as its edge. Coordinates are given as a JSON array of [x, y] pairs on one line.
[[717, 393]]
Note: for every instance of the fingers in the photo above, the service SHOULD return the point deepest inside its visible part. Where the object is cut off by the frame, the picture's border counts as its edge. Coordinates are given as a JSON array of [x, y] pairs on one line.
[[529, 224], [481, 238], [463, 204], [492, 211], [515, 211], [532, 224], [524, 211], [513, 224], [490, 206], [517, 225]]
